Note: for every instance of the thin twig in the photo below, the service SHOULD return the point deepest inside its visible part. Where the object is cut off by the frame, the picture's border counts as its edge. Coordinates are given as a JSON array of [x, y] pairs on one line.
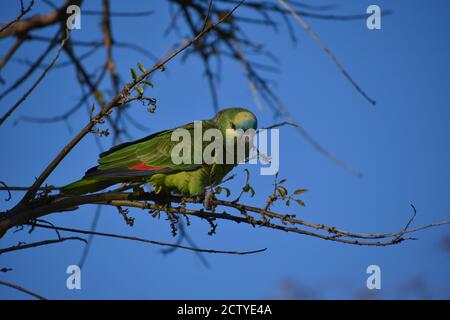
[[32, 67], [38, 244], [25, 96], [333, 58], [118, 236], [277, 125], [23, 11], [119, 14], [21, 289], [6, 188], [87, 248], [11, 51], [37, 21]]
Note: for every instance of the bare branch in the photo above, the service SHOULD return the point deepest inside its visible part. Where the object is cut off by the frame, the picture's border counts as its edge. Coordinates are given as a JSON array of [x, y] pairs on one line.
[[36, 83], [38, 244], [33, 67], [94, 224], [119, 14], [37, 21], [51, 204], [8, 189], [333, 58], [277, 125], [21, 289], [23, 11], [11, 52], [118, 236]]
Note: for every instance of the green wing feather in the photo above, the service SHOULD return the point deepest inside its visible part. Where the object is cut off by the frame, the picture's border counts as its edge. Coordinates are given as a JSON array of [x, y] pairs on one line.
[[114, 164], [154, 150]]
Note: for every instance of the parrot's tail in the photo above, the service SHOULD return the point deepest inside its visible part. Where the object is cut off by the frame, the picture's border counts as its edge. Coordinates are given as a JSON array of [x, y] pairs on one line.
[[86, 186]]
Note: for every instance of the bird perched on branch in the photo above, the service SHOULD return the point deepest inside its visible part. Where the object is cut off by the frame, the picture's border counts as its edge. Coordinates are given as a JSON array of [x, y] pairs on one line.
[[150, 159]]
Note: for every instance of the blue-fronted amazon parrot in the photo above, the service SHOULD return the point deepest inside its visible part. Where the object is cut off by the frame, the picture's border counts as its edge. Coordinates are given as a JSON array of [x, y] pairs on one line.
[[149, 160]]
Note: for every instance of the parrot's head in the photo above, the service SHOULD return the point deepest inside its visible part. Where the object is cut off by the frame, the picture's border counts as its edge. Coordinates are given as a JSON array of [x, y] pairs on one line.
[[231, 121], [238, 125]]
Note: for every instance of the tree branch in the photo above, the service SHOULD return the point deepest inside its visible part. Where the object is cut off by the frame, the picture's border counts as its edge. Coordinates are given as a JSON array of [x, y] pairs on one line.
[[330, 54], [23, 11], [50, 204], [37, 21], [21, 289], [38, 244], [118, 236], [36, 83]]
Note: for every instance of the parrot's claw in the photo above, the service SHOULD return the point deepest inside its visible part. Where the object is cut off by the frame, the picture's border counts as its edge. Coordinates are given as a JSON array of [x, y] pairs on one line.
[[163, 198]]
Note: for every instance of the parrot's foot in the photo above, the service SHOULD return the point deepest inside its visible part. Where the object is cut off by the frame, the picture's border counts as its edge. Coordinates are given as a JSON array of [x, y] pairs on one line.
[[162, 201], [162, 197]]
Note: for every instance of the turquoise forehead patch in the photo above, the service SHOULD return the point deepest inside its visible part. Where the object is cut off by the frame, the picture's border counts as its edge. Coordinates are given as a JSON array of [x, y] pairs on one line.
[[245, 120]]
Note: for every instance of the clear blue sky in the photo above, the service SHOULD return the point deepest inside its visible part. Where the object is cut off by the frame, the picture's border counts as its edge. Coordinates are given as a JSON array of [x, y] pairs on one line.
[[401, 146]]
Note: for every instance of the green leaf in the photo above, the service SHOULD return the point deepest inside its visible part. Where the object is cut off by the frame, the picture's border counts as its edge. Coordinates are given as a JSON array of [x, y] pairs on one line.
[[282, 191], [300, 202], [218, 190], [133, 74], [139, 90], [282, 181], [300, 191], [288, 202], [93, 108], [141, 67], [148, 83], [246, 188], [98, 95]]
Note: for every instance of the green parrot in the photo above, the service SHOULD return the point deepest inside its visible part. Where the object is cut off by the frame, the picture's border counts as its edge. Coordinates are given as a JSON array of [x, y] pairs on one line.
[[149, 160]]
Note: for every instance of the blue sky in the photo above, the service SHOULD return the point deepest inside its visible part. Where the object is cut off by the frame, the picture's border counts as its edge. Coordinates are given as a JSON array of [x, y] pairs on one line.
[[400, 146]]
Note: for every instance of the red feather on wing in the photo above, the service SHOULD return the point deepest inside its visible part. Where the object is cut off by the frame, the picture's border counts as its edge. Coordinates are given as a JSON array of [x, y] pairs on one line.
[[143, 166]]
